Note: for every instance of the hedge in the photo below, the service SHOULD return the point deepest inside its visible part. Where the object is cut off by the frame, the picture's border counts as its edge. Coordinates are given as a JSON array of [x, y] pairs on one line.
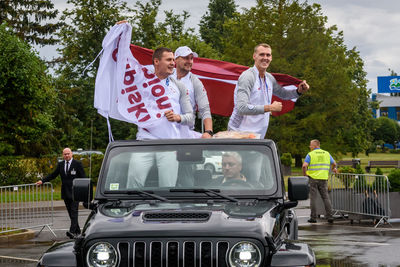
[[20, 170]]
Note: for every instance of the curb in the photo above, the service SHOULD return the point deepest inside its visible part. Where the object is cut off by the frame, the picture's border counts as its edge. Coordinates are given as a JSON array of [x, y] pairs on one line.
[[25, 235]]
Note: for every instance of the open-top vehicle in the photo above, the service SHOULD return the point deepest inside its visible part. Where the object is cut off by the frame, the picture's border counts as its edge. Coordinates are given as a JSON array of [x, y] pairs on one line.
[[182, 215]]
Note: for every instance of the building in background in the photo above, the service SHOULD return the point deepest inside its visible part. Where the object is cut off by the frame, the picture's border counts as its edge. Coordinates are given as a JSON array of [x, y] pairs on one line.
[[388, 97]]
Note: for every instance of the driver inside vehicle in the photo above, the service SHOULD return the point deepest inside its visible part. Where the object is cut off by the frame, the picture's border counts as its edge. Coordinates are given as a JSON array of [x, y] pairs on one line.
[[232, 176]]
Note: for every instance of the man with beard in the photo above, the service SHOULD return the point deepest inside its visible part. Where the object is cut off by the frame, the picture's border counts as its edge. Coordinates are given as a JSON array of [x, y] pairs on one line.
[[197, 93]]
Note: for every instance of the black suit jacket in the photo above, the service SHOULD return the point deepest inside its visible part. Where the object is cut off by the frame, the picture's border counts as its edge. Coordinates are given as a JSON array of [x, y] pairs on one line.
[[75, 171], [218, 182]]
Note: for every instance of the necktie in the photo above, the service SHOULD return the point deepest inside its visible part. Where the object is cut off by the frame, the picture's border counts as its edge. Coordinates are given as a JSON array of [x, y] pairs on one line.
[[66, 167]]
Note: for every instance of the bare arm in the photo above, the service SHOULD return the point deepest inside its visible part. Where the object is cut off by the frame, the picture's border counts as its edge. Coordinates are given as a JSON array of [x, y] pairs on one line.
[[304, 168]]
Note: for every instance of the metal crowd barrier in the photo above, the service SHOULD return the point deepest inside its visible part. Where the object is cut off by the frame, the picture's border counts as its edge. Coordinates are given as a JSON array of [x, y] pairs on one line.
[[361, 196], [26, 206]]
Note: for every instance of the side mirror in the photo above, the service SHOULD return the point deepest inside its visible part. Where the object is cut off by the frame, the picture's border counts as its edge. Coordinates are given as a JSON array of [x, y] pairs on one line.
[[82, 190], [298, 188]]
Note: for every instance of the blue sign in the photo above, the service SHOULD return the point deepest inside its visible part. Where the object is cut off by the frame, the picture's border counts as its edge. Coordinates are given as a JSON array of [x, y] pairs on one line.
[[389, 84]]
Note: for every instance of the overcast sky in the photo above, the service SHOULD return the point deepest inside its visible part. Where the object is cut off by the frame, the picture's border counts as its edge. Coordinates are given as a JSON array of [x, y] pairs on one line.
[[370, 26]]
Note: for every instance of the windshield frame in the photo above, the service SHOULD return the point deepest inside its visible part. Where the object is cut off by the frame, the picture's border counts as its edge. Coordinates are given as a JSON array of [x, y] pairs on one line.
[[115, 148]]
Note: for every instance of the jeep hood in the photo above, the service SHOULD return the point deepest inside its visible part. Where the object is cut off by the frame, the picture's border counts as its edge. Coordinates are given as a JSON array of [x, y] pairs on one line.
[[188, 219]]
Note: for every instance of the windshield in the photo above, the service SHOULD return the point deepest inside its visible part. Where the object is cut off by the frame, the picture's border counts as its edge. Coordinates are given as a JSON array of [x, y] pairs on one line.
[[236, 169]]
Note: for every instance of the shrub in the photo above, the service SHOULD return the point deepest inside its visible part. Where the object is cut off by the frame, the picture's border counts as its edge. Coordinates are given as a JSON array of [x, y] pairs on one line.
[[346, 169], [286, 159], [360, 183], [359, 170], [379, 171], [394, 180], [19, 170], [380, 183], [97, 160]]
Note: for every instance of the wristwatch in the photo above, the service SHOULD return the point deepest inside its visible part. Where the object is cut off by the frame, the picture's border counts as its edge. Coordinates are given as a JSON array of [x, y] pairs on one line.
[[209, 132]]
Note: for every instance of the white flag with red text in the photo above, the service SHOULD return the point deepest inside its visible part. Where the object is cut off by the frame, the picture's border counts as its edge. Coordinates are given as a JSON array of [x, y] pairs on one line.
[[125, 90]]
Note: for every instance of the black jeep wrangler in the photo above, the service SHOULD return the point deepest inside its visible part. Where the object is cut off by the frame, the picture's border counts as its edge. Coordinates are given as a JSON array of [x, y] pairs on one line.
[[157, 205]]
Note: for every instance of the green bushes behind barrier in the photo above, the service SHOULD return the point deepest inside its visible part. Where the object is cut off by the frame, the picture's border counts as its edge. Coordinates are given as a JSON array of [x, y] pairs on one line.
[[286, 159], [20, 170], [93, 169], [394, 180]]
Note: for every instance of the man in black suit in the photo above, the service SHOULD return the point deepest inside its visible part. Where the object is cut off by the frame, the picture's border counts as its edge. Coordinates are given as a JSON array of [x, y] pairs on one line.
[[68, 169]]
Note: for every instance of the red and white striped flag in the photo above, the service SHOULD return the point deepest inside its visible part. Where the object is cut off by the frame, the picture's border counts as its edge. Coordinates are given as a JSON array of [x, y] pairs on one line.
[[220, 78]]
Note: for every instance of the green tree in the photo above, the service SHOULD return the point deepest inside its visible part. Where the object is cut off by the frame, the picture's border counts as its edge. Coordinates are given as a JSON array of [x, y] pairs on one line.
[[212, 29], [26, 99], [386, 131], [144, 27], [335, 110], [26, 18], [85, 26], [171, 32]]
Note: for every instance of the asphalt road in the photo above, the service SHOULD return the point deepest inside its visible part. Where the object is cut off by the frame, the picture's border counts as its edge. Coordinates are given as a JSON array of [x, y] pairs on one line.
[[339, 244]]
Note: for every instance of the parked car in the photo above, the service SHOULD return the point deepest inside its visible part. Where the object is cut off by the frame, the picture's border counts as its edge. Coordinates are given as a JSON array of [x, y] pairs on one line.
[[212, 162], [82, 152], [197, 224]]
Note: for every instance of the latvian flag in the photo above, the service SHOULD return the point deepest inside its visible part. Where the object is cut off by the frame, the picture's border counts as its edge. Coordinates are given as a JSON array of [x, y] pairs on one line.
[[219, 79]]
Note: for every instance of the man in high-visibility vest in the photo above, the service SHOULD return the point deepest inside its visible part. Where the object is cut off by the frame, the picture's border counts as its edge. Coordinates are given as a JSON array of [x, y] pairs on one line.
[[316, 166]]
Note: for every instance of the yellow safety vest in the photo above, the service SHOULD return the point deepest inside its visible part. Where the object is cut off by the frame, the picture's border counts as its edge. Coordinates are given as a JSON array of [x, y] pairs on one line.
[[319, 164]]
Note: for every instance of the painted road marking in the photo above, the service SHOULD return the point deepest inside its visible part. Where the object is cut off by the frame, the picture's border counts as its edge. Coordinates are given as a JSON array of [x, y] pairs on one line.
[[16, 258]]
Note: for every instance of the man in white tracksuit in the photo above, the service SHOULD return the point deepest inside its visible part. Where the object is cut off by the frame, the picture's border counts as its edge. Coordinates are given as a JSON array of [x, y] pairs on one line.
[[197, 93], [199, 100], [181, 113], [253, 94], [252, 103]]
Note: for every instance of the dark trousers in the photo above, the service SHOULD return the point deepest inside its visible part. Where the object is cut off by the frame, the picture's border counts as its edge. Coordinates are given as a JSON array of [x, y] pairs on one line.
[[320, 186], [72, 208]]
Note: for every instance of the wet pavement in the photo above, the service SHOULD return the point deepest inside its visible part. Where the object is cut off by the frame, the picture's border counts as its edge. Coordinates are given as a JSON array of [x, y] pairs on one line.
[[337, 244], [346, 244]]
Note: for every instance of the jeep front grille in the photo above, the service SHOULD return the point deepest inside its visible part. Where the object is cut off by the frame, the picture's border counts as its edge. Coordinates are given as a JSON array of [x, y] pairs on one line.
[[173, 253]]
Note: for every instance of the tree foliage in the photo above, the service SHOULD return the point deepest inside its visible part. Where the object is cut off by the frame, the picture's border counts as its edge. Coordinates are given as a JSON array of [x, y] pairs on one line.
[[148, 33], [335, 110], [86, 24], [29, 20], [26, 99], [212, 28], [386, 131]]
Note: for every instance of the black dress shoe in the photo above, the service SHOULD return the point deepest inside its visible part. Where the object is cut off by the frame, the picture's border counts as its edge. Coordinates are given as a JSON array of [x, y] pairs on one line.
[[70, 235], [312, 220]]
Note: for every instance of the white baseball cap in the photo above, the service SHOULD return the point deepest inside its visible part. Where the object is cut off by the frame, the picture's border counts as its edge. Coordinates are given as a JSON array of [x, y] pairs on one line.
[[184, 51]]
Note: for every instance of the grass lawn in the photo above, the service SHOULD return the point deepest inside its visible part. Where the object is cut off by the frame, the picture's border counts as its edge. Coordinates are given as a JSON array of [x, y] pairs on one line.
[[7, 197], [374, 156], [10, 197], [11, 232]]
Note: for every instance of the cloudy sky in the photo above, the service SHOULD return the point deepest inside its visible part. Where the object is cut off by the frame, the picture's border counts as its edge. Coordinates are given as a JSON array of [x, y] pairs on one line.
[[370, 26]]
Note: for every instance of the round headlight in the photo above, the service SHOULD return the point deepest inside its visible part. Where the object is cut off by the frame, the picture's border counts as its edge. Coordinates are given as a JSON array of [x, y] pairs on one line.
[[102, 255], [244, 254]]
